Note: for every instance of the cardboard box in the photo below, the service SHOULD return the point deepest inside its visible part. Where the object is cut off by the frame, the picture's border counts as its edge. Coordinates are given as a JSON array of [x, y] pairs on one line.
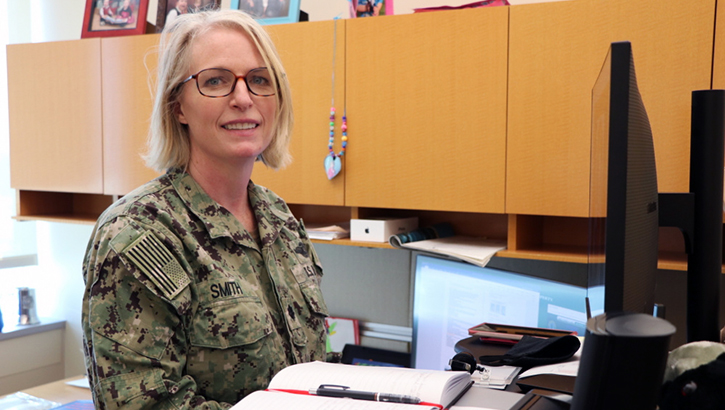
[[380, 229]]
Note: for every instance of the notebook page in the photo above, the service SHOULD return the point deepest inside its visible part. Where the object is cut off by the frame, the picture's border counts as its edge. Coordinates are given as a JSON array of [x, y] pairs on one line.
[[428, 385], [279, 400]]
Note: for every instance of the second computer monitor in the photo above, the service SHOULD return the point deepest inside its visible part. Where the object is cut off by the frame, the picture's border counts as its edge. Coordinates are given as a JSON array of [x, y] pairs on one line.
[[451, 296]]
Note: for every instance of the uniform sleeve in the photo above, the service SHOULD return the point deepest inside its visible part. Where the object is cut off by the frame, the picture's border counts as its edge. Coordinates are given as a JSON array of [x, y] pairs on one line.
[[135, 309]]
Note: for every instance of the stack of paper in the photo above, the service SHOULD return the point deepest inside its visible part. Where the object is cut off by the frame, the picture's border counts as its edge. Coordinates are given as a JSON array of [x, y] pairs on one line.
[[328, 232], [22, 401], [477, 251]]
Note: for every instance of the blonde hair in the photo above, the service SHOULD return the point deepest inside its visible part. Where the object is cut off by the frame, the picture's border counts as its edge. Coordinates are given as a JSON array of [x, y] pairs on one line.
[[168, 141]]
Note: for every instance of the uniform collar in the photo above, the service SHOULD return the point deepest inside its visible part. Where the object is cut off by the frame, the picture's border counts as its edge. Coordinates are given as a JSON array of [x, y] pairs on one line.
[[270, 211], [273, 216]]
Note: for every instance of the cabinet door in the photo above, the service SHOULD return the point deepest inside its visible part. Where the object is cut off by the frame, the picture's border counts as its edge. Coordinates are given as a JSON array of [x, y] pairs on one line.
[[718, 66], [54, 95], [306, 50], [554, 62], [426, 98], [127, 102]]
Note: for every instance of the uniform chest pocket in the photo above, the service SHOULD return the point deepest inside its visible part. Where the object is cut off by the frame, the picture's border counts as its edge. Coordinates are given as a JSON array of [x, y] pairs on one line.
[[231, 322]]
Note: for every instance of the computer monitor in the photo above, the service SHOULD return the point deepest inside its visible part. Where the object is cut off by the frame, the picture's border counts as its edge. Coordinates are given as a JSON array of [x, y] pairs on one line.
[[619, 118], [451, 296], [622, 361]]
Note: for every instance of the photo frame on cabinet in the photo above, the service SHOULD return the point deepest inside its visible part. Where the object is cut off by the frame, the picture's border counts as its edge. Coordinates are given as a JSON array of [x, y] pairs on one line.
[[112, 18], [370, 8], [168, 10], [274, 12]]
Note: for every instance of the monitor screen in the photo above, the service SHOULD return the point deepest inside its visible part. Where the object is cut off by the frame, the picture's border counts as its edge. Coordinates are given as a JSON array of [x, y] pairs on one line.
[[451, 296]]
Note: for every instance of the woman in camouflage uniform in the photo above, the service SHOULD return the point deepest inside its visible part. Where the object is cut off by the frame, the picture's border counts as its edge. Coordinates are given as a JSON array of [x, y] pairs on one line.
[[201, 285]]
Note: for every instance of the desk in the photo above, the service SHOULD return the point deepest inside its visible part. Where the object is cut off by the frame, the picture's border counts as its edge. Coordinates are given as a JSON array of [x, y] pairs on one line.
[[482, 397], [14, 330], [31, 355], [63, 393], [59, 391]]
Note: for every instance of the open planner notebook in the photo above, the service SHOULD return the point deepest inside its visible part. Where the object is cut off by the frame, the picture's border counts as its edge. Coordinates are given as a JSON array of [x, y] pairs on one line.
[[290, 387]]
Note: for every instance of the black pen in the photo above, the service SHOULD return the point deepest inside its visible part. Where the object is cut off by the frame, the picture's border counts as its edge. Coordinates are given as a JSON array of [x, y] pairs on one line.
[[331, 390]]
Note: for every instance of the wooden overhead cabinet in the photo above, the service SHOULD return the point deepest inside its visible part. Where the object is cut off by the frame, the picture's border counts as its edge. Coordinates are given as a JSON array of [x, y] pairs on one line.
[[478, 117], [426, 103], [127, 103], [54, 93], [307, 53], [54, 99], [553, 64], [555, 190]]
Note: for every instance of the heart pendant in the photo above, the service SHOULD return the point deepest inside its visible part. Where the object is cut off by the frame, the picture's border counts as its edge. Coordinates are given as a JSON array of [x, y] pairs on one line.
[[333, 165]]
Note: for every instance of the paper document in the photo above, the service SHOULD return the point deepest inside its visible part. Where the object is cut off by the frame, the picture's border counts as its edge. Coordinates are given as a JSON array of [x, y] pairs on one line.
[[328, 232], [477, 251], [568, 368], [475, 4], [82, 382], [291, 387], [561, 369], [22, 401]]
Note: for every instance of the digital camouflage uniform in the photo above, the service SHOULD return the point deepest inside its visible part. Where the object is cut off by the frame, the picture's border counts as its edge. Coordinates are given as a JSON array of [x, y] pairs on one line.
[[182, 309]]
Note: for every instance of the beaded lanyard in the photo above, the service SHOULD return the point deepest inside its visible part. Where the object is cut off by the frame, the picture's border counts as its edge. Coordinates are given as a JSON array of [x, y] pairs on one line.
[[333, 162]]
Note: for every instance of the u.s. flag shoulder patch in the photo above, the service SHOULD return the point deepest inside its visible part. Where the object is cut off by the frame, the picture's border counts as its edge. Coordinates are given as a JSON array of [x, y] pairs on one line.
[[155, 260]]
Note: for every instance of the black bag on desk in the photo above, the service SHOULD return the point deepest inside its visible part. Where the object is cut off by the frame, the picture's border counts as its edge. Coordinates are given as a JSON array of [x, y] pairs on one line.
[[533, 351]]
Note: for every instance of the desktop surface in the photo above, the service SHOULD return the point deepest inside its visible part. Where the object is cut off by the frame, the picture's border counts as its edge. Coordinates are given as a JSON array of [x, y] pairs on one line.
[[483, 397], [60, 391]]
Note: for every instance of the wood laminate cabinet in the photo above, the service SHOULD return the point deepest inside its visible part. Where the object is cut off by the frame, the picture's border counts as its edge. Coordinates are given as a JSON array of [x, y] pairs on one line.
[[55, 116], [54, 99], [306, 50], [426, 107], [718, 66], [426, 103], [556, 186], [553, 64], [477, 117], [127, 102]]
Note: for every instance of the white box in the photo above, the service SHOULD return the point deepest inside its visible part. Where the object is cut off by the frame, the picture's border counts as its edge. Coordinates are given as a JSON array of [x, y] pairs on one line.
[[380, 229]]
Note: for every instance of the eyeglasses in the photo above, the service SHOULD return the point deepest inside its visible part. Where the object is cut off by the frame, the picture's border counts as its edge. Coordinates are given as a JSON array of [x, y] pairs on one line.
[[220, 82]]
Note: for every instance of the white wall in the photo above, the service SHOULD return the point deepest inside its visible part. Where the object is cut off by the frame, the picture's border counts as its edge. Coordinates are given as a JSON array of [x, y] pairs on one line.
[[60, 257], [18, 238], [57, 278], [58, 284]]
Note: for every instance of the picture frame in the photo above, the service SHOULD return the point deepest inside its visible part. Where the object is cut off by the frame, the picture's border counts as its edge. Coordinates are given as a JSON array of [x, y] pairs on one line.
[[340, 332], [381, 8], [112, 18], [276, 12], [169, 9]]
